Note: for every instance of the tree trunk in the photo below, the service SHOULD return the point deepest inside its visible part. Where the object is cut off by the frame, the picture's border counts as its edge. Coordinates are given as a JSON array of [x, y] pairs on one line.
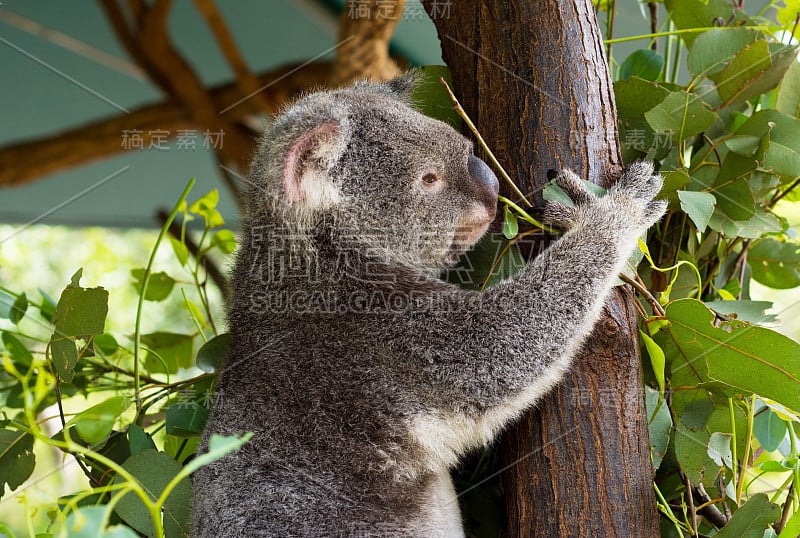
[[534, 78]]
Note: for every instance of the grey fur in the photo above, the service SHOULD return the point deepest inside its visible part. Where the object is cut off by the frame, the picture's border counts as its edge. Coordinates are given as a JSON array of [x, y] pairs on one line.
[[362, 375]]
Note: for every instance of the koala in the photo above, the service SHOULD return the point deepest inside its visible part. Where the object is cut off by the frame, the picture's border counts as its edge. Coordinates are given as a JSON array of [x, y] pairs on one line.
[[363, 376]]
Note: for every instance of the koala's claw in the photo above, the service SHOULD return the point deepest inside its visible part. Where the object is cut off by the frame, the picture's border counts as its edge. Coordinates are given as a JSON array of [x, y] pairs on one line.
[[638, 181], [573, 186]]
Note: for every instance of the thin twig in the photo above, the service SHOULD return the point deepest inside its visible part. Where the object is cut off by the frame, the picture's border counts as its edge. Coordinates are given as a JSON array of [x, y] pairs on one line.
[[787, 510], [644, 292], [80, 463], [461, 112], [211, 268]]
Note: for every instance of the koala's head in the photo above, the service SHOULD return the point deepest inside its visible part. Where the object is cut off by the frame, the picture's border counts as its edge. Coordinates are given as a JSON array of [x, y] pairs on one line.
[[372, 171]]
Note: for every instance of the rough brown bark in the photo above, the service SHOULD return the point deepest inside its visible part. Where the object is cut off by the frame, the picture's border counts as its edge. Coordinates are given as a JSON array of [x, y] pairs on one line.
[[533, 76]]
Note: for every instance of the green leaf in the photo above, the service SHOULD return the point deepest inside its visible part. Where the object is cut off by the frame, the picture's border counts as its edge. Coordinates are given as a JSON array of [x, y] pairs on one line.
[[219, 446], [775, 263], [792, 528], [747, 357], [180, 250], [16, 458], [431, 98], [699, 206], [681, 114], [788, 100], [212, 354], [186, 419], [18, 309], [656, 358], [714, 49], [65, 357], [473, 267], [90, 522], [139, 439], [80, 312], [701, 14], [48, 306], [769, 429], [206, 208], [781, 156], [751, 519], [752, 228], [643, 63], [95, 424], [155, 470], [753, 71], [159, 286], [19, 353], [105, 343], [510, 224], [719, 449], [750, 311], [735, 200], [634, 97], [659, 423], [225, 240], [175, 350]]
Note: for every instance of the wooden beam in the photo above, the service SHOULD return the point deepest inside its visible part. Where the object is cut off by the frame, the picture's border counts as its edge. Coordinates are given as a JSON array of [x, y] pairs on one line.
[[27, 161]]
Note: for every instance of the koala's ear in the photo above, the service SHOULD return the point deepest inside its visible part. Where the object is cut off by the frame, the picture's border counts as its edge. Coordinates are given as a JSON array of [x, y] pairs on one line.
[[402, 87], [399, 88], [306, 170]]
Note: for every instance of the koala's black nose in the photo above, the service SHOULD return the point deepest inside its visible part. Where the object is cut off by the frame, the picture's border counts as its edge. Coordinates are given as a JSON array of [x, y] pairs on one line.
[[480, 172]]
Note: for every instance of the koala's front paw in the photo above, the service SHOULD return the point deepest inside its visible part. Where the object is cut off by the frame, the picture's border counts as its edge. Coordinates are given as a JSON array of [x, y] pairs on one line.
[[637, 189], [562, 216]]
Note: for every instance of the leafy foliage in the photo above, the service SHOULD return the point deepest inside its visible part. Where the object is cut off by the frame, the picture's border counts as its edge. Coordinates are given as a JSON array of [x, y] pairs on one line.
[[136, 443], [722, 386]]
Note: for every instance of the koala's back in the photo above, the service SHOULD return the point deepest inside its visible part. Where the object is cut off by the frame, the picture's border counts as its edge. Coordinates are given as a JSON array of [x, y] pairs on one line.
[[330, 455]]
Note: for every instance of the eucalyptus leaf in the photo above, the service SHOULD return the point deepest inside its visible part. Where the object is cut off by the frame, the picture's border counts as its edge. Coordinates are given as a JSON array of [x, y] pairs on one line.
[[714, 49], [642, 63], [167, 352], [95, 424], [211, 356], [699, 206], [18, 309], [769, 429], [186, 419], [788, 100], [159, 285], [775, 263], [746, 357], [16, 458], [510, 224], [155, 470], [91, 522], [751, 519], [19, 353], [682, 114], [659, 423]]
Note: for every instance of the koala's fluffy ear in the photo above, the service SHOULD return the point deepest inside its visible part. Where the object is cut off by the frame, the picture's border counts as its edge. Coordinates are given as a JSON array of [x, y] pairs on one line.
[[403, 86], [306, 170], [399, 88]]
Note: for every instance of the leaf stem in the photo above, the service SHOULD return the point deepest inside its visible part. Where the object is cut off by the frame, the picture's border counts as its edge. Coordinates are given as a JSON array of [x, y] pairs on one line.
[[145, 280]]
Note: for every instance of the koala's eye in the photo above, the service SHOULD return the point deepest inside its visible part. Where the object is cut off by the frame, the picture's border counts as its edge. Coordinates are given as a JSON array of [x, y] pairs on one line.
[[431, 182]]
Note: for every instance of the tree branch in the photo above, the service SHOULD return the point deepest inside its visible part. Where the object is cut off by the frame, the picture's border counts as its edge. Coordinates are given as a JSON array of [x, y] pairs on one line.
[[247, 82], [27, 161], [365, 29]]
